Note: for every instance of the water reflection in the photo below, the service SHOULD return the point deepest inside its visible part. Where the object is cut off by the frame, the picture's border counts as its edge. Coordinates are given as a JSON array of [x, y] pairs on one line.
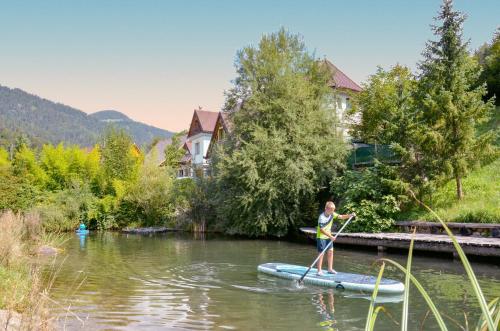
[[326, 309], [82, 237]]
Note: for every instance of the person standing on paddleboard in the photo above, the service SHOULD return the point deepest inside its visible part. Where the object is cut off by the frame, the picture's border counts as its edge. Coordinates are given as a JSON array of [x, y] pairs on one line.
[[324, 235]]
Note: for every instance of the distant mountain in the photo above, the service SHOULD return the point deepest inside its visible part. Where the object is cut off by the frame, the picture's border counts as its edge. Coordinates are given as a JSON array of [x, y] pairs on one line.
[[142, 133], [54, 122], [110, 116]]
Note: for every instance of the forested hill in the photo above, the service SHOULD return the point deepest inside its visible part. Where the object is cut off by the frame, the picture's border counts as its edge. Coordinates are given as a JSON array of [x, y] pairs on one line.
[[142, 133], [48, 121]]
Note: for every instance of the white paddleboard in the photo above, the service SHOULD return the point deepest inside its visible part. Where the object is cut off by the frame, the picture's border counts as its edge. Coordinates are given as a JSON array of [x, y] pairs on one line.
[[340, 280]]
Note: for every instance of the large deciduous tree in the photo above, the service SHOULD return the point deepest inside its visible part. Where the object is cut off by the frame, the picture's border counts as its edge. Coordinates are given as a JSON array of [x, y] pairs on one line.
[[386, 106], [283, 148], [388, 116], [489, 59], [118, 160], [174, 151], [451, 102]]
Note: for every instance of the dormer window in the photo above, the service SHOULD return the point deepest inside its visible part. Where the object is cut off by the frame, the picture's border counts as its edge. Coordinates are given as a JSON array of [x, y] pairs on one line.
[[197, 149]]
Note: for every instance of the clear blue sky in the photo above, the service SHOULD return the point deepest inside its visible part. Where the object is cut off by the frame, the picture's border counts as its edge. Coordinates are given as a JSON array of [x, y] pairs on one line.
[[158, 60]]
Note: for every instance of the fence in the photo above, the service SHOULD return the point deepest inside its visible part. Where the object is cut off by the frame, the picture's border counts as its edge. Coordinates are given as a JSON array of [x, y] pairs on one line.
[[364, 155]]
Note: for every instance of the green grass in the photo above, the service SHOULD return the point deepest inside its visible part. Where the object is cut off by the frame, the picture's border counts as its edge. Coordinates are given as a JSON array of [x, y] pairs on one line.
[[492, 125], [15, 286], [481, 203]]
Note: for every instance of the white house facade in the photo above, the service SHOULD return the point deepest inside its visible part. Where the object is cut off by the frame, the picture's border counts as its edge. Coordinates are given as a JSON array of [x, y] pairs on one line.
[[199, 145], [344, 88]]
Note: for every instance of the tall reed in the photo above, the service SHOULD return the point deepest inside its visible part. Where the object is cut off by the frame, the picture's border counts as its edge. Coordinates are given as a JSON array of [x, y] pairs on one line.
[[22, 303], [490, 317]]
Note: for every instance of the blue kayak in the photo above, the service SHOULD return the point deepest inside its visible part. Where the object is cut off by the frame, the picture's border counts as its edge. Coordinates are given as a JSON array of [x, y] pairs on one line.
[[340, 280], [82, 231]]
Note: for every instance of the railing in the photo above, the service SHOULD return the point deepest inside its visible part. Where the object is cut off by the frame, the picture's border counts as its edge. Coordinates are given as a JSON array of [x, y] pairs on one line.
[[364, 155]]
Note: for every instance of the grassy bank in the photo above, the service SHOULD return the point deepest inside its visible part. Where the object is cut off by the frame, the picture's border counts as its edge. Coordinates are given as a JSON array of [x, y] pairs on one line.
[[489, 319], [22, 293], [480, 204]]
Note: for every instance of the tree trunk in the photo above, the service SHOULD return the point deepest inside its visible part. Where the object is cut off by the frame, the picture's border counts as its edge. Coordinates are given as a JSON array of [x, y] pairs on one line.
[[460, 193]]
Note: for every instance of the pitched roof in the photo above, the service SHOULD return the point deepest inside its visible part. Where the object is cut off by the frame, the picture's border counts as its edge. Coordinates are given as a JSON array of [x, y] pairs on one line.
[[203, 121], [186, 159], [158, 149], [340, 79], [187, 146], [207, 119]]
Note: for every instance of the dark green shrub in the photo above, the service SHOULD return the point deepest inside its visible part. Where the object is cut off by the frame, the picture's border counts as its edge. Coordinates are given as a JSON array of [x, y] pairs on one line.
[[372, 194]]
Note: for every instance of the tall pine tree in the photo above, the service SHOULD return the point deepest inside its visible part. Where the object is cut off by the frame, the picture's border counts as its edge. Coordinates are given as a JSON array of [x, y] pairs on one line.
[[451, 104]]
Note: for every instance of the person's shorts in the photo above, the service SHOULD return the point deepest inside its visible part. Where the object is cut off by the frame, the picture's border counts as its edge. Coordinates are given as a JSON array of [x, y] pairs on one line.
[[322, 243]]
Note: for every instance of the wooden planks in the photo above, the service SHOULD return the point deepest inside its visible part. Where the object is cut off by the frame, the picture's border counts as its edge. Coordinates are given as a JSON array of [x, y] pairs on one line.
[[465, 229], [423, 242]]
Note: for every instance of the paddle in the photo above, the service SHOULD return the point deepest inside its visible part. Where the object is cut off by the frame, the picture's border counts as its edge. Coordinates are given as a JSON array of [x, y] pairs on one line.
[[326, 248]]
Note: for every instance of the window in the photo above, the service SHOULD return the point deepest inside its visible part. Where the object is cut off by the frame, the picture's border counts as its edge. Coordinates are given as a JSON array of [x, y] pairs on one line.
[[197, 149], [348, 103]]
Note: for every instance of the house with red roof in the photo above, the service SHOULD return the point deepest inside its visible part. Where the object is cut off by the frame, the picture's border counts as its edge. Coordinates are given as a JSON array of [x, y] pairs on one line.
[[221, 129], [197, 142], [342, 86], [185, 168], [208, 128]]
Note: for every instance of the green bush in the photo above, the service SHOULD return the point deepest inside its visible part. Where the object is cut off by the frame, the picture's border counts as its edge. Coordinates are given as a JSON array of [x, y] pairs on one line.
[[64, 210], [102, 214], [372, 194], [147, 200], [105, 188], [373, 216], [53, 218], [16, 193]]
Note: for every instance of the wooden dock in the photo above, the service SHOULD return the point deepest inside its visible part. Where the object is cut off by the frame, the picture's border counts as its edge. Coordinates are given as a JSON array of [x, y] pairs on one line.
[[477, 246], [149, 230]]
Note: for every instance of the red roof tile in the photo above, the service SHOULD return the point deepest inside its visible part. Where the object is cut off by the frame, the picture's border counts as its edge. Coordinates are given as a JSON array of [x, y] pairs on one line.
[[339, 79], [206, 120]]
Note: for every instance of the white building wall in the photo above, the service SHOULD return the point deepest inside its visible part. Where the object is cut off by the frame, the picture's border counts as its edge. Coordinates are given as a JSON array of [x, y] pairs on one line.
[[340, 103], [204, 140]]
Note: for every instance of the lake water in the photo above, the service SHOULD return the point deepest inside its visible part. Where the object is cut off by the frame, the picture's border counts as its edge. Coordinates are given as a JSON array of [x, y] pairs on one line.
[[112, 281]]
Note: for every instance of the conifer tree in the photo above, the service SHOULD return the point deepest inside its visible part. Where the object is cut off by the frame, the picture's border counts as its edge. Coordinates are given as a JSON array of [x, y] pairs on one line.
[[450, 102]]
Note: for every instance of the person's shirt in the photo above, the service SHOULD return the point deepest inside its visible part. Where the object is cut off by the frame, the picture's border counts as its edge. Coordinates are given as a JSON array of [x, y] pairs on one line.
[[82, 226], [325, 222]]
